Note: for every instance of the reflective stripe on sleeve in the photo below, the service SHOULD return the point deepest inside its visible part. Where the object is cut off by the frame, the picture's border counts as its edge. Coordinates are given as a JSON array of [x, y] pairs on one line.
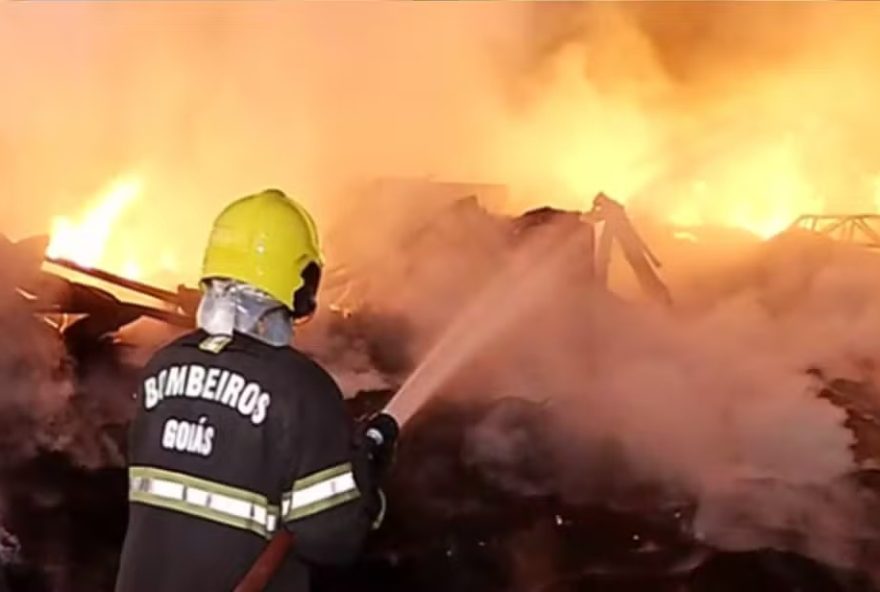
[[319, 492], [204, 499]]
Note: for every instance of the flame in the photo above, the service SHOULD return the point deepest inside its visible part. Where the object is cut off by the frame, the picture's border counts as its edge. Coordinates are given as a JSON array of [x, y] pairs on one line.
[[606, 115], [766, 190], [98, 239], [84, 241], [761, 188]]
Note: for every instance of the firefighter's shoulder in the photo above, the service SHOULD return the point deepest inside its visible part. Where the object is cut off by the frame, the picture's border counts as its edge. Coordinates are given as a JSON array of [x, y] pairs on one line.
[[274, 367], [300, 368], [311, 390]]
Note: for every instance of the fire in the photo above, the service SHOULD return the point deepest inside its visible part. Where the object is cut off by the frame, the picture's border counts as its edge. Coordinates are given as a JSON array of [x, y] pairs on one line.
[[761, 189], [610, 112], [84, 241], [101, 238], [762, 192]]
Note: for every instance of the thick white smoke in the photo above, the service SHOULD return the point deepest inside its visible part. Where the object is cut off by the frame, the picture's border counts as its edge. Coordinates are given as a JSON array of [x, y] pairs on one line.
[[716, 403], [712, 399]]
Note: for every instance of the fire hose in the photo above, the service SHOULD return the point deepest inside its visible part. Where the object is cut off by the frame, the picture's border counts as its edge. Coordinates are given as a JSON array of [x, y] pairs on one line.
[[268, 562], [380, 433]]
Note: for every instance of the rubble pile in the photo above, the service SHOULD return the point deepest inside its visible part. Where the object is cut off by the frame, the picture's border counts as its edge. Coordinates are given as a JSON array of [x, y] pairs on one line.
[[465, 522], [494, 488]]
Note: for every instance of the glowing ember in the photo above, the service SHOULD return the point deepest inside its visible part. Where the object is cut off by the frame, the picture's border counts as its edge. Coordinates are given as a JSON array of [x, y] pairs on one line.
[[84, 241]]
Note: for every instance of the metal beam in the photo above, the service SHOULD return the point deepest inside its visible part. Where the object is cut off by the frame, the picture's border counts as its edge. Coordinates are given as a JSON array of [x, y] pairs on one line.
[[862, 229]]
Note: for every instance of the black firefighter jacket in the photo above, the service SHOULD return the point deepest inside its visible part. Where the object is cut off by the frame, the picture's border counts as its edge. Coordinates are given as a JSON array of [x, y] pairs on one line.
[[234, 439]]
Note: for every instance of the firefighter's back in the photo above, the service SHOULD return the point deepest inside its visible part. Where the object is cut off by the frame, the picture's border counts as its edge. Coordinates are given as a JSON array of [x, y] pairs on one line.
[[210, 457]]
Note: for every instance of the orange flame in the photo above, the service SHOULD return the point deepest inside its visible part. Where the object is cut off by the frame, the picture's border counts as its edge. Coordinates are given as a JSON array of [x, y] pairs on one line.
[[84, 241]]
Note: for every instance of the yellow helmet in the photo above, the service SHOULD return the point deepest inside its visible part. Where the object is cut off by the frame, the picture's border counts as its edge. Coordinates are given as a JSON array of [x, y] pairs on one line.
[[271, 242]]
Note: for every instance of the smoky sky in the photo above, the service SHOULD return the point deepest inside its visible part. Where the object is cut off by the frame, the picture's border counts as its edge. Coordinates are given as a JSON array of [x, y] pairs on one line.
[[761, 103]]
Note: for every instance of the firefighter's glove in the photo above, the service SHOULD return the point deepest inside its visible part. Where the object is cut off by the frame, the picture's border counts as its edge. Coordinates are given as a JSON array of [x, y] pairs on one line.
[[381, 433]]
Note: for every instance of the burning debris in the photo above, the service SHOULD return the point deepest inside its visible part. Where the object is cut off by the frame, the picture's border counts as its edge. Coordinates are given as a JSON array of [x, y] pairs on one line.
[[499, 484], [724, 436]]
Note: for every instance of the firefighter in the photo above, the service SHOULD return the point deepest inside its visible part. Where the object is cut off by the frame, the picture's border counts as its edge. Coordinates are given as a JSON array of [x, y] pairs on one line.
[[237, 434]]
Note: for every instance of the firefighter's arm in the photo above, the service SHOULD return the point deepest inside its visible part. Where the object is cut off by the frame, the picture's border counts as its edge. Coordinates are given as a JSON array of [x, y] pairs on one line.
[[333, 500]]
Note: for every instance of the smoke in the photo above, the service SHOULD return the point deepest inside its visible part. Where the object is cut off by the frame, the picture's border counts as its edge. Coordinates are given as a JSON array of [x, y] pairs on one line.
[[35, 384], [63, 392], [713, 403], [708, 113], [742, 115], [210, 103], [49, 404], [695, 113]]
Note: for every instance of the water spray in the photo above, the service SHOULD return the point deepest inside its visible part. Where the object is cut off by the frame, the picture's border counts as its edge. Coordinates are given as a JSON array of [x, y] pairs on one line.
[[524, 283]]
